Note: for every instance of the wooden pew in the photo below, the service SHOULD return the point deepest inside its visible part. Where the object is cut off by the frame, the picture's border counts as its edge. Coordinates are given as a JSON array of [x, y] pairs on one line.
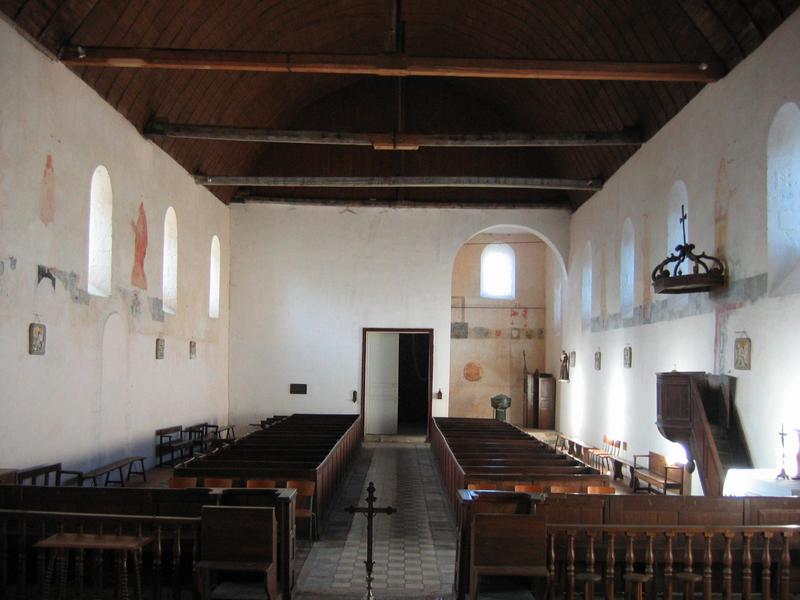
[[170, 440], [51, 474], [118, 466], [314, 448]]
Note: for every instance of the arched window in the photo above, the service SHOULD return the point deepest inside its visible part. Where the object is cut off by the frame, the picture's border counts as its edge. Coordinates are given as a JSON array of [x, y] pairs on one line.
[[100, 233], [169, 280], [783, 201], [678, 197], [627, 266], [498, 272], [586, 287], [213, 281]]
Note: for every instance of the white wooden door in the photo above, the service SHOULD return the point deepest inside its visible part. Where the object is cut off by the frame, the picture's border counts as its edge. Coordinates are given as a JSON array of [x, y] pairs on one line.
[[382, 366]]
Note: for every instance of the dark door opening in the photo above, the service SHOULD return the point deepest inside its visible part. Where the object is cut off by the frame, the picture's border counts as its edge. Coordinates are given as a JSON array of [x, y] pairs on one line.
[[414, 383]]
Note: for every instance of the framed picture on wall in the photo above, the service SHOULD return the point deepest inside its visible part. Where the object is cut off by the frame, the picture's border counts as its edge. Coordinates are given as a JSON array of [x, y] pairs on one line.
[[37, 338], [627, 357], [597, 360]]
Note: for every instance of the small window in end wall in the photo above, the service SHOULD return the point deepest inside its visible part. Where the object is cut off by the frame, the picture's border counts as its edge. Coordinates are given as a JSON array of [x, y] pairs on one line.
[[498, 272], [213, 285], [170, 266], [100, 233]]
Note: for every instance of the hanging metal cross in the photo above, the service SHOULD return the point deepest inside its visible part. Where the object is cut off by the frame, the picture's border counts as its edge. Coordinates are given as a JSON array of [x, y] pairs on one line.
[[683, 219], [782, 474], [370, 511]]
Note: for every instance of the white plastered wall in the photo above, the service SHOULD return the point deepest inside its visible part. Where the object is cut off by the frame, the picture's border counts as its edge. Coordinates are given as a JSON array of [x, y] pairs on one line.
[[718, 147], [305, 281], [60, 406]]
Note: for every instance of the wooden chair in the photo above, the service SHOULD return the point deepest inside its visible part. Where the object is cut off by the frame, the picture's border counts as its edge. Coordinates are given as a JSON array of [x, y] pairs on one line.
[[237, 538], [482, 485], [600, 489], [261, 483], [528, 488], [182, 482], [305, 496], [506, 544], [218, 482]]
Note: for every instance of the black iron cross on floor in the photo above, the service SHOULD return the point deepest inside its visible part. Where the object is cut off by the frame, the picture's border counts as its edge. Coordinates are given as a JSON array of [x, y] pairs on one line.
[[370, 511]]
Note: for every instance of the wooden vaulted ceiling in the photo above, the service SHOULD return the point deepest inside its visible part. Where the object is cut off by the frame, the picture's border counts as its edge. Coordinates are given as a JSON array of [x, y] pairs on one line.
[[681, 34]]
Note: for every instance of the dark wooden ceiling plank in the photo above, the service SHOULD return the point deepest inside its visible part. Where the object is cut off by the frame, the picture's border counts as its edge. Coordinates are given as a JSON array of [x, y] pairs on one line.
[[673, 96], [556, 20], [787, 7], [542, 183], [65, 22], [33, 16], [12, 8], [765, 15], [112, 36], [739, 23], [145, 28], [714, 30]]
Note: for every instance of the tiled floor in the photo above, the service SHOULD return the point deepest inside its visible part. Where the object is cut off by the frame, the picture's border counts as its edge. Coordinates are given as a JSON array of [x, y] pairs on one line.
[[414, 548]]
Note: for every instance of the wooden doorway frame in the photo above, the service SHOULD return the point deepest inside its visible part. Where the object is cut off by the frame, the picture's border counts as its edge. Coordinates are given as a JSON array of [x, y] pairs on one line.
[[364, 333]]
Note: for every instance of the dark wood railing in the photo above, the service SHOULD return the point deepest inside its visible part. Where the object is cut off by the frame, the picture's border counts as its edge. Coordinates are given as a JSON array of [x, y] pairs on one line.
[[722, 561], [20, 530]]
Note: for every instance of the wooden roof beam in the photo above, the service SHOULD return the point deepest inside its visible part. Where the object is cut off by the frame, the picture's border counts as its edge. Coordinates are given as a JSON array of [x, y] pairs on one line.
[[404, 203], [387, 65], [391, 141], [531, 183]]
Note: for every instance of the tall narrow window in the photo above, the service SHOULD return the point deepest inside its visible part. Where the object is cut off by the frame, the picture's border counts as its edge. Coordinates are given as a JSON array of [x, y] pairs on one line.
[[557, 303], [783, 201], [627, 266], [586, 287], [170, 271], [100, 233], [213, 280], [498, 272]]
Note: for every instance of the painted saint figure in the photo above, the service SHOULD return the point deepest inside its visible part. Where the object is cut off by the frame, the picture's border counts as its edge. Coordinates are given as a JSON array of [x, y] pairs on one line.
[[138, 276], [563, 373]]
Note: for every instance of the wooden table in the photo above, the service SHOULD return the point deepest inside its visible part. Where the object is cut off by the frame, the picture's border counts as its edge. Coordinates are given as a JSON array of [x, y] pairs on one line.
[[62, 543]]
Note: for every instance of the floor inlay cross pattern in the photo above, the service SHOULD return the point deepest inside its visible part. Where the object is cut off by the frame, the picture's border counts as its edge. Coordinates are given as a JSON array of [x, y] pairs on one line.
[[414, 548]]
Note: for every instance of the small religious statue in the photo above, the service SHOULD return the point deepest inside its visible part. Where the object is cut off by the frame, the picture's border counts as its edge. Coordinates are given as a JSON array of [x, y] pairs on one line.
[[782, 474], [563, 373]]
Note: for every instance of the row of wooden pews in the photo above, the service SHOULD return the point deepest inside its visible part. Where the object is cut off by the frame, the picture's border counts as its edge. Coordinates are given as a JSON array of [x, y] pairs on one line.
[[304, 447], [492, 453]]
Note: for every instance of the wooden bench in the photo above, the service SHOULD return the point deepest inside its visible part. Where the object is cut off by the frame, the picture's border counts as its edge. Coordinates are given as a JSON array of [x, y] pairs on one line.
[[237, 539], [44, 474], [117, 465], [170, 441], [657, 474]]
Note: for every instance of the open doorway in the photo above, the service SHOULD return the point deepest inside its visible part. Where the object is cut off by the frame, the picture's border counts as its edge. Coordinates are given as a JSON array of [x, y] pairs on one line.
[[396, 382]]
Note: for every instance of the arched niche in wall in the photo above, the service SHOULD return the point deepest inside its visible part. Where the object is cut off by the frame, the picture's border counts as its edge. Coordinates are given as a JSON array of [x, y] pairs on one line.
[[783, 201], [100, 233], [586, 287], [627, 269], [489, 334], [113, 417]]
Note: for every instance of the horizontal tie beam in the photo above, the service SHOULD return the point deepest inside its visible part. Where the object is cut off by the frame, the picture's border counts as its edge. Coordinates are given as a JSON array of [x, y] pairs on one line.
[[401, 203], [391, 141], [531, 183], [387, 65]]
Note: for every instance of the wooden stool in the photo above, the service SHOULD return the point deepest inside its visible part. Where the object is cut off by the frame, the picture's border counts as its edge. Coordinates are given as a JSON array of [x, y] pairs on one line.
[[637, 581]]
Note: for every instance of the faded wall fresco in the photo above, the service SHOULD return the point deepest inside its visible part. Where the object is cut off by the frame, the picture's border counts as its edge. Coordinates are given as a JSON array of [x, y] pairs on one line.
[[138, 276]]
